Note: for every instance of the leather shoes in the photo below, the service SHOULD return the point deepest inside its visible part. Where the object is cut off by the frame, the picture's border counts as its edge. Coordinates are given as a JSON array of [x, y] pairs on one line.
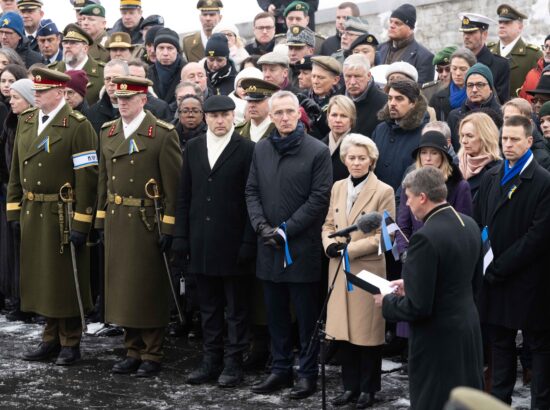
[[148, 368], [208, 371], [303, 388], [68, 355], [232, 374], [126, 366], [345, 398], [365, 400], [273, 383], [44, 351]]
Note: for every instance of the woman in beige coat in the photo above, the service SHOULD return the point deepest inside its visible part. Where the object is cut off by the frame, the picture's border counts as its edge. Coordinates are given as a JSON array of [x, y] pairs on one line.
[[352, 317]]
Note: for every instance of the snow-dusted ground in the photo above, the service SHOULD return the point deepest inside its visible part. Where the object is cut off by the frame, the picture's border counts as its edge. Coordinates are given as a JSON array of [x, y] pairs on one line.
[[89, 384]]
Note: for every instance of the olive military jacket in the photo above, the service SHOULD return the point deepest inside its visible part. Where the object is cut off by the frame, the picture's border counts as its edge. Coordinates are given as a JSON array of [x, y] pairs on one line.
[[244, 130], [65, 151], [97, 49], [137, 292], [192, 47], [94, 70]]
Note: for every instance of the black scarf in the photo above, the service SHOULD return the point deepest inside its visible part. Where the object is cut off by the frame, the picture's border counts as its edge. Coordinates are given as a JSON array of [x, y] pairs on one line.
[[166, 75], [216, 77], [285, 144]]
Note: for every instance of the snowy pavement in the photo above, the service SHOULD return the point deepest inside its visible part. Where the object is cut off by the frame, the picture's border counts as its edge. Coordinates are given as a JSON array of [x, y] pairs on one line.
[[90, 384]]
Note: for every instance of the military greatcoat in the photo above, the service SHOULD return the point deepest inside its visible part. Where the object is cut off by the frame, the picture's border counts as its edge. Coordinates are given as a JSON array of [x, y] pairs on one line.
[[137, 293], [94, 70], [65, 151]]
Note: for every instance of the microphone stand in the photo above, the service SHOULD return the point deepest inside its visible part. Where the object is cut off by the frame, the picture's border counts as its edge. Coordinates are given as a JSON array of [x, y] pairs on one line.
[[320, 326]]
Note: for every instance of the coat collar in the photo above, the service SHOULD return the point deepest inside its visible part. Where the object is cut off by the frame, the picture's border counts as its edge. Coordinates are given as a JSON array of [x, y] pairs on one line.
[[234, 143], [364, 197]]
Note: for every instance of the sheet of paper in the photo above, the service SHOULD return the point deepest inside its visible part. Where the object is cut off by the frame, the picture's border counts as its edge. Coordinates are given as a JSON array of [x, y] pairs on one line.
[[376, 281]]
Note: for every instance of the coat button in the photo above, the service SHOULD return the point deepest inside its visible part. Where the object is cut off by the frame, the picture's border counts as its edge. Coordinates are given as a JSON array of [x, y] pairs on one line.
[[112, 211], [39, 164], [114, 159], [26, 162], [336, 210], [208, 199], [209, 179], [113, 177], [129, 215], [207, 218], [363, 213], [39, 183], [392, 139], [131, 180], [24, 179], [132, 162]]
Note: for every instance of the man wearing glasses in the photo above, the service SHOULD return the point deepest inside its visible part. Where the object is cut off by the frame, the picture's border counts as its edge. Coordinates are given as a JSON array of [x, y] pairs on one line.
[[12, 35], [264, 33], [195, 43], [480, 95]]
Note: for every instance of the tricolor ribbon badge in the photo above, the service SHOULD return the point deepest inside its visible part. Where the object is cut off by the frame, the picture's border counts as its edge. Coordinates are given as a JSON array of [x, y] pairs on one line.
[[45, 143], [347, 268], [133, 147], [511, 191], [282, 231]]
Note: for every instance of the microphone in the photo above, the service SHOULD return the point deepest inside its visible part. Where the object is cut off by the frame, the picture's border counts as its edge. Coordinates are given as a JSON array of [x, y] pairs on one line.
[[366, 223]]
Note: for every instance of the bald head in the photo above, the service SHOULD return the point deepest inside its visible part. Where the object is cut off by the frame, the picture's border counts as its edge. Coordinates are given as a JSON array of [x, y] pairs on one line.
[[194, 73]]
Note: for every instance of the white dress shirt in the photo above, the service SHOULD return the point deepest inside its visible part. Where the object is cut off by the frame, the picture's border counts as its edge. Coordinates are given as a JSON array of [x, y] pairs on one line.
[[133, 125], [51, 115]]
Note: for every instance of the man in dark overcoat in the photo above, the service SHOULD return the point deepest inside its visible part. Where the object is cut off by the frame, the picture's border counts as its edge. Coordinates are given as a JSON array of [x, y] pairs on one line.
[[514, 203], [287, 194], [441, 277], [214, 231], [53, 145], [136, 148]]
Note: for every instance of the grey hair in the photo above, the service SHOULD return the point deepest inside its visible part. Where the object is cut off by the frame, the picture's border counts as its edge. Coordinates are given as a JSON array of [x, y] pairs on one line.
[[355, 61], [359, 140], [194, 86], [440, 126], [465, 54], [120, 63], [12, 56], [283, 94], [427, 180]]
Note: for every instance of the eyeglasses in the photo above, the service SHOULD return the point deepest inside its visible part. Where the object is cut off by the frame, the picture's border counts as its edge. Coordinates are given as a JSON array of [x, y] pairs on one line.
[[193, 111], [443, 69], [546, 46], [264, 28], [539, 100], [7, 33], [479, 86]]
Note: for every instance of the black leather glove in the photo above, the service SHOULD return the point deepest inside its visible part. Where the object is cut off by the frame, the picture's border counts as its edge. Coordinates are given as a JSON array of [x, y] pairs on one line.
[[78, 239], [333, 250], [275, 240], [265, 230], [165, 242], [16, 228], [312, 109]]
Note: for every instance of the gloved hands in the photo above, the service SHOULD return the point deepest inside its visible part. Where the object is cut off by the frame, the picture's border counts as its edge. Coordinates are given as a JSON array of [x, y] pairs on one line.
[[78, 239], [333, 250], [312, 109], [270, 236], [165, 242], [491, 277]]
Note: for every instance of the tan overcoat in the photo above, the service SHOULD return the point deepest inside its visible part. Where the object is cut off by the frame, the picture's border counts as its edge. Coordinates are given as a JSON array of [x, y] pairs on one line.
[[352, 315]]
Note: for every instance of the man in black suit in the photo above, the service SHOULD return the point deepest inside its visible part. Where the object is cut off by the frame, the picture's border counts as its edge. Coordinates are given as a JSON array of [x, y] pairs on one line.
[[514, 203], [214, 231], [441, 277]]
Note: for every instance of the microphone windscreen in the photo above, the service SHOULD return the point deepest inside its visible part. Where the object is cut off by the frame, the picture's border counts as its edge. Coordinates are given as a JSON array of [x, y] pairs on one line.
[[369, 222]]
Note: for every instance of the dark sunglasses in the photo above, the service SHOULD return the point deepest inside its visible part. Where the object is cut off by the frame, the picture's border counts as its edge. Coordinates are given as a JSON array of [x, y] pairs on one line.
[[442, 69]]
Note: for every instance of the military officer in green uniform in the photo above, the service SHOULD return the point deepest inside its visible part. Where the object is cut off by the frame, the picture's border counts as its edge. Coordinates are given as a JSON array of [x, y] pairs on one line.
[[92, 21], [194, 44], [257, 93], [296, 14], [521, 56], [76, 43], [136, 148], [54, 145]]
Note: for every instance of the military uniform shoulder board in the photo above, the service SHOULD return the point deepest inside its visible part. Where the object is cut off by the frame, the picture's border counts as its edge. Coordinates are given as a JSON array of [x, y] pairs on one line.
[[430, 84], [165, 125], [101, 63], [320, 36], [280, 35], [29, 110], [53, 65], [78, 115], [108, 124], [533, 47], [491, 44]]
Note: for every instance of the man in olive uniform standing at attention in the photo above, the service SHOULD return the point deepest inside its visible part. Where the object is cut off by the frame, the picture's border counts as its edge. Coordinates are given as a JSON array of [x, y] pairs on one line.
[[54, 145], [93, 22], [76, 43], [136, 148], [522, 57], [257, 94], [194, 44]]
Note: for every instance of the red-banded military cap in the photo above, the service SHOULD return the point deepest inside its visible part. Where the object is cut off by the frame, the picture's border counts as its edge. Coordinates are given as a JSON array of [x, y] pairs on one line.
[[45, 78], [127, 86]]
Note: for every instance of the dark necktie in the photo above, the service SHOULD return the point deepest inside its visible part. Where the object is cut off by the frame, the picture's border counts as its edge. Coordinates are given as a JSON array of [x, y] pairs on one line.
[[45, 118], [31, 38]]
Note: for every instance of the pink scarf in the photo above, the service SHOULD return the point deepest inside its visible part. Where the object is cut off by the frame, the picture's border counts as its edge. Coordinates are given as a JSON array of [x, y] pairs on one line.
[[470, 166]]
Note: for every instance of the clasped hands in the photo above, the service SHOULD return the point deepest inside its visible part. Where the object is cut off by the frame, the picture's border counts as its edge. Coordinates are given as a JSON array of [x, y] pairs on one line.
[[270, 236], [398, 289]]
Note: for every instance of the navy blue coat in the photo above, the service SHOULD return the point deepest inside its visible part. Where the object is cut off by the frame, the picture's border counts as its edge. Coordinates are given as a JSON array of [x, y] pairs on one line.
[[415, 54]]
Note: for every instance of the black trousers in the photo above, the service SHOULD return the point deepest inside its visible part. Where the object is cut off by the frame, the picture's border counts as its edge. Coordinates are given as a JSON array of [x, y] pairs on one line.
[[504, 354], [361, 367], [215, 294], [305, 299]]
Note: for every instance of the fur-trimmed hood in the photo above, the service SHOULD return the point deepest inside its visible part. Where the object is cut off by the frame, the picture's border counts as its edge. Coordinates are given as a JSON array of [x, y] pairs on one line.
[[412, 120]]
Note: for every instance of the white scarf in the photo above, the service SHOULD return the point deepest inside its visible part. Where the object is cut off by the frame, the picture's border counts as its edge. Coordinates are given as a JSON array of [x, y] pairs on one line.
[[333, 144], [257, 131], [353, 192], [215, 145]]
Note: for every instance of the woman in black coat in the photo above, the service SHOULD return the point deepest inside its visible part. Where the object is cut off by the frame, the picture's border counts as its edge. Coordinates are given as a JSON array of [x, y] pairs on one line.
[[190, 122]]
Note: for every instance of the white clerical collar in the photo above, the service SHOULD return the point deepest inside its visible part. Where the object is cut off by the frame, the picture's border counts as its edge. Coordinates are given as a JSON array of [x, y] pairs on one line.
[[133, 125]]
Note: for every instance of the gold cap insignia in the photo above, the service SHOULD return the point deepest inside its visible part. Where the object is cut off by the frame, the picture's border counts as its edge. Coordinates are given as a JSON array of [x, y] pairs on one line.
[[6, 22], [295, 30], [251, 89], [209, 2], [504, 11], [211, 53], [369, 39], [123, 86], [118, 39], [38, 78], [465, 21], [298, 7], [96, 10], [94, 70]]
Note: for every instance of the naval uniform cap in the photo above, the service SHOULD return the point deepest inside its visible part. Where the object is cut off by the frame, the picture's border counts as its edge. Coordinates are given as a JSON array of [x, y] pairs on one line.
[[274, 58], [127, 86], [29, 4], [330, 64], [152, 20], [472, 22], [74, 32], [257, 89], [508, 13], [217, 103], [367, 39], [45, 79]]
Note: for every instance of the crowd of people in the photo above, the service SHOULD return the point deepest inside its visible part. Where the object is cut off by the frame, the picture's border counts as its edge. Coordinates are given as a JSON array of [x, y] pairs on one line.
[[151, 182]]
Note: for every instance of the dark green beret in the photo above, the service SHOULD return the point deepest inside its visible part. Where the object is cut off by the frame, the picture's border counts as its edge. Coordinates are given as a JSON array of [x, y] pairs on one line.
[[444, 56]]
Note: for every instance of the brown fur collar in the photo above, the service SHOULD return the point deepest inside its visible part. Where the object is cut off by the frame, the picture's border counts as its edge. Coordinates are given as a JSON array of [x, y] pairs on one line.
[[411, 120]]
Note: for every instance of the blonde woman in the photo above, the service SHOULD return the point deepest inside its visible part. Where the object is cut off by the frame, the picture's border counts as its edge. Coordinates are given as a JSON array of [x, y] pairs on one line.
[[237, 52], [352, 317]]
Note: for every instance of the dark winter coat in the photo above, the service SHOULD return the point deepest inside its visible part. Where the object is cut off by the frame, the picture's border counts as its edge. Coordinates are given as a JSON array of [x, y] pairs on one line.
[[339, 169], [292, 188], [135, 33], [102, 112], [540, 151], [27, 54], [211, 214], [442, 275], [415, 54], [159, 108], [500, 67], [441, 103], [475, 181], [169, 95], [222, 82], [367, 107], [396, 141], [257, 49], [331, 45], [516, 291], [186, 135]]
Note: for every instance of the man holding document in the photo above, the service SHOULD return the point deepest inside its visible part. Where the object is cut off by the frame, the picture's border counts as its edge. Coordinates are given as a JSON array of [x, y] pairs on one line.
[[441, 277]]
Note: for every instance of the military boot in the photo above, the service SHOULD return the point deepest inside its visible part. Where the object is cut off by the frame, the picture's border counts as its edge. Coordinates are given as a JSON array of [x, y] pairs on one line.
[[44, 351]]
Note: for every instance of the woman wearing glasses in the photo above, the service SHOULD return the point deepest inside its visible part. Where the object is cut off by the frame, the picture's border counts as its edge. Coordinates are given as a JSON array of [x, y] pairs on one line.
[[454, 95]]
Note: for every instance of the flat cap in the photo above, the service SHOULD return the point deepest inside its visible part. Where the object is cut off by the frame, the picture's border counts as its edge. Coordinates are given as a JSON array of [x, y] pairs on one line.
[[29, 4], [296, 6], [330, 64], [257, 89], [210, 5], [130, 4], [152, 20], [274, 58], [367, 39], [96, 10], [304, 63], [300, 36], [74, 32], [472, 22], [216, 103], [80, 4], [127, 86], [508, 13], [444, 56], [356, 25], [45, 79], [46, 28], [119, 40]]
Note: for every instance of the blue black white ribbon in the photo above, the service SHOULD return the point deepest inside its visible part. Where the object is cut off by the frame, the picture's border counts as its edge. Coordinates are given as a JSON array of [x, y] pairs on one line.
[[282, 231], [347, 268]]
